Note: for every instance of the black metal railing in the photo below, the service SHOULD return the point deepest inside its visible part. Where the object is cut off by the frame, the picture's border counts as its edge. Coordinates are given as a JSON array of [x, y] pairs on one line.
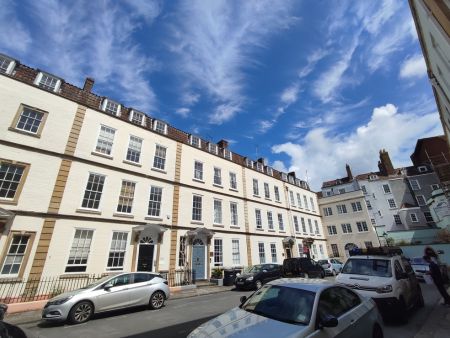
[[14, 290]]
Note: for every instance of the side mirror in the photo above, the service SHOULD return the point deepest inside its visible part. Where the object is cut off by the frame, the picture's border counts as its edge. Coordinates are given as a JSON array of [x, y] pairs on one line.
[[243, 299], [328, 321], [108, 286]]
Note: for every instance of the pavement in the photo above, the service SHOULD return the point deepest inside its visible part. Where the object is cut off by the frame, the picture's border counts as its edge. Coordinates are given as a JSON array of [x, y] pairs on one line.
[[27, 317]]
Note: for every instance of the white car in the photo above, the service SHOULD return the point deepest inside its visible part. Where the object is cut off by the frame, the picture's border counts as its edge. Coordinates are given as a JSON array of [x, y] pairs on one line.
[[297, 308], [332, 266], [387, 278]]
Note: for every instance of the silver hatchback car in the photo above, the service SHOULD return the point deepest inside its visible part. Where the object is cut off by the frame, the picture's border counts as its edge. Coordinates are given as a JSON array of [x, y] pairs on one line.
[[109, 293]]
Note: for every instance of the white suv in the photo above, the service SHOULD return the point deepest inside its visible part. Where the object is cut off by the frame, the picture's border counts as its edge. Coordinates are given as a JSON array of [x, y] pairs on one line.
[[387, 278]]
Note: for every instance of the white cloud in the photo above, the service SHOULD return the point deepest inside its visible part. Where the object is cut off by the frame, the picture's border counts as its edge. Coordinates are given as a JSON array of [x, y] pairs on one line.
[[183, 112], [312, 60], [101, 45], [324, 153], [278, 165], [290, 94], [15, 38], [216, 40], [413, 67], [190, 98]]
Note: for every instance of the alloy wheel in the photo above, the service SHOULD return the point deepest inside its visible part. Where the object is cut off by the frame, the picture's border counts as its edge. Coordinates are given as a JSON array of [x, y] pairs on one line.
[[81, 313], [258, 284], [157, 300]]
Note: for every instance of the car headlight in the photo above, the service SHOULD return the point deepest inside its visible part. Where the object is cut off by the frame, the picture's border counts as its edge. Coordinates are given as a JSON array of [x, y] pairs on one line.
[[384, 289], [59, 301], [250, 278]]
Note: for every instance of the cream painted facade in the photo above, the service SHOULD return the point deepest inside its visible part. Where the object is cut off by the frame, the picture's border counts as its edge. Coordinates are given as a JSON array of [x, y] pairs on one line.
[[65, 167], [355, 232]]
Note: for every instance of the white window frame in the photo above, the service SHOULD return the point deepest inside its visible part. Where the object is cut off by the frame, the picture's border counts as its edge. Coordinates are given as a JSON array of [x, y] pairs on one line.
[[356, 206], [258, 219], [117, 248], [155, 205], [415, 185], [266, 190], [332, 230], [255, 187], [234, 218], [198, 171], [305, 202], [277, 193], [38, 80], [235, 251], [157, 124], [100, 192], [341, 209], [273, 252], [310, 226], [105, 142], [422, 198], [228, 154], [198, 209], [434, 187], [296, 224], [213, 148], [397, 220], [82, 251], [292, 198], [104, 107], [316, 227], [269, 171], [388, 190], [270, 225], [15, 254], [134, 152], [218, 252], [391, 203], [127, 200], [422, 169], [11, 65], [414, 219], [362, 226], [134, 113], [280, 222], [346, 228], [217, 177], [218, 212], [259, 166], [233, 181], [364, 190], [299, 201], [261, 253], [302, 220], [30, 121], [160, 158], [192, 142]]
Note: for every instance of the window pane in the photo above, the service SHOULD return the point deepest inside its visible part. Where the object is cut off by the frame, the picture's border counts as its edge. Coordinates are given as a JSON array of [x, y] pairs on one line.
[[159, 160], [79, 251], [154, 204], [30, 120], [93, 192], [10, 176]]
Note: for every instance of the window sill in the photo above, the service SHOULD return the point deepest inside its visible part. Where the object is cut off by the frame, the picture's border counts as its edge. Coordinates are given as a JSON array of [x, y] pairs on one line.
[[271, 230], [136, 164], [153, 218], [123, 215], [6, 280], [282, 232], [70, 275], [234, 227], [109, 157], [278, 202], [159, 170], [10, 202], [218, 225], [256, 196], [89, 211], [218, 185], [198, 222], [198, 180], [259, 229], [23, 132], [268, 199], [233, 189]]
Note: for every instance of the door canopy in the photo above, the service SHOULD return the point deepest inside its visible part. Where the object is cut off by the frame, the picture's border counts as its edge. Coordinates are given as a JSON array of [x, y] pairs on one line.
[[199, 233], [149, 231]]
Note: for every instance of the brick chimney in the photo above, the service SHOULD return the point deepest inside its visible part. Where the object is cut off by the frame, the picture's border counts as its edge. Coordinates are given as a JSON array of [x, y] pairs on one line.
[[349, 172], [223, 144], [88, 84], [262, 160], [385, 164]]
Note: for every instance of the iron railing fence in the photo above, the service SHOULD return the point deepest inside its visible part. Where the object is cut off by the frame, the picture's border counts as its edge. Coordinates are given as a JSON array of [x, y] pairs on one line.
[[14, 290]]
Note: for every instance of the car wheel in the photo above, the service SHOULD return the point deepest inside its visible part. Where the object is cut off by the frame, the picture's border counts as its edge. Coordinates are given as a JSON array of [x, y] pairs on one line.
[[402, 312], [258, 284], [81, 312], [377, 331], [420, 302], [157, 300]]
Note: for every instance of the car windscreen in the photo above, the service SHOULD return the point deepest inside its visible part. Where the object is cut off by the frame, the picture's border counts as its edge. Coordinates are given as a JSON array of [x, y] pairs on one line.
[[96, 283], [285, 304], [255, 269], [368, 267]]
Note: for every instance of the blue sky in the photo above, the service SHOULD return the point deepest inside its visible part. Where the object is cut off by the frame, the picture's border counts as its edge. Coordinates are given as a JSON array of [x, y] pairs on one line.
[[309, 85]]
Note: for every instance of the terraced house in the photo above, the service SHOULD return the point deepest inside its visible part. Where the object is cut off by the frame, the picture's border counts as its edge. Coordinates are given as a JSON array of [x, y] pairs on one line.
[[88, 185]]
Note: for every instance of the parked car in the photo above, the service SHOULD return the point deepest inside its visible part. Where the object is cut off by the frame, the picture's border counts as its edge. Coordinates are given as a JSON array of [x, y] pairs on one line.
[[109, 293], [386, 277], [257, 275], [332, 266], [297, 307], [422, 268], [302, 267]]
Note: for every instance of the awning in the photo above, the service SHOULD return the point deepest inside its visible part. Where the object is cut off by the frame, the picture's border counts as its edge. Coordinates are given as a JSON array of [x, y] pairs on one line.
[[288, 240], [200, 232], [160, 228], [5, 214]]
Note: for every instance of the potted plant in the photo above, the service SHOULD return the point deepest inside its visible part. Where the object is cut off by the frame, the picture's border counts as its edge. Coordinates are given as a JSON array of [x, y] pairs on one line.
[[217, 276]]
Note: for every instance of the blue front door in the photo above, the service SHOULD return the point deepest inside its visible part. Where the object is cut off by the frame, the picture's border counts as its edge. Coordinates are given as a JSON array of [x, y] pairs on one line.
[[198, 261]]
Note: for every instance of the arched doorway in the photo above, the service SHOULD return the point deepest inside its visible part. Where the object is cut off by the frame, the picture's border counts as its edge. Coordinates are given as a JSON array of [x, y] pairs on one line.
[[146, 254], [198, 258]]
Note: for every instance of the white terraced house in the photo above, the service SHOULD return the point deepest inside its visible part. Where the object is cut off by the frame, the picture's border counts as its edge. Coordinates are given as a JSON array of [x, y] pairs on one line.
[[88, 185]]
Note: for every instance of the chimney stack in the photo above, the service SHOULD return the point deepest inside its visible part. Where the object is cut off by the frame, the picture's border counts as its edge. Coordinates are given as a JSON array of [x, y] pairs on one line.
[[223, 144], [349, 172], [88, 84], [385, 164]]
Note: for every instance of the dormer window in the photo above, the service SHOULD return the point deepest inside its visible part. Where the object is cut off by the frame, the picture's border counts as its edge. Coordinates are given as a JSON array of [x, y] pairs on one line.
[[227, 154], [284, 177], [269, 171], [298, 182], [213, 148], [291, 179], [259, 166], [373, 177], [422, 169], [160, 127], [195, 141], [47, 82], [137, 117], [248, 163], [111, 107], [6, 64]]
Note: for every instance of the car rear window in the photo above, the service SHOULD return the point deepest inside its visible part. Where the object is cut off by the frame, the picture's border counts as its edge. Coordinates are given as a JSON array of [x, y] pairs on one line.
[[368, 267]]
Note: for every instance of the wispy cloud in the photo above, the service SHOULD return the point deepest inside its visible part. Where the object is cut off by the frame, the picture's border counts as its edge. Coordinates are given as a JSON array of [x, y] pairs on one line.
[[183, 112], [413, 67], [216, 40], [95, 38], [15, 38]]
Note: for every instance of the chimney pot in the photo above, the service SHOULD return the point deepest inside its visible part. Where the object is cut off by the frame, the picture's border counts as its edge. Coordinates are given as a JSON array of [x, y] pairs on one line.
[[223, 144], [88, 84]]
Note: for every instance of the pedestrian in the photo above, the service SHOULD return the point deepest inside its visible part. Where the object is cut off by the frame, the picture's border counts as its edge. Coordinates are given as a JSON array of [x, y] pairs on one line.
[[436, 275]]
